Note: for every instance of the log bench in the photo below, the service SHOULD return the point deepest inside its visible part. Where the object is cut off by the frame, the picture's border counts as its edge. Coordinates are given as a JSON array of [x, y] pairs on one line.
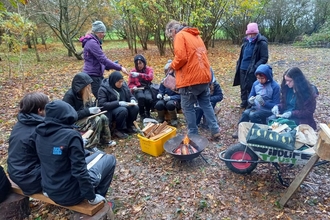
[[322, 150], [83, 210]]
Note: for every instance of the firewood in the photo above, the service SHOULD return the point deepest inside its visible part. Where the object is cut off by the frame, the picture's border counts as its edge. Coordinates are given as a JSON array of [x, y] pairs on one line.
[[164, 132], [87, 134], [149, 125], [160, 128], [151, 131]]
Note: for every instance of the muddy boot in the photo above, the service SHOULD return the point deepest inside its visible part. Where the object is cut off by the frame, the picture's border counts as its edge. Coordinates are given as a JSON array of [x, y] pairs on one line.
[[174, 118], [161, 116]]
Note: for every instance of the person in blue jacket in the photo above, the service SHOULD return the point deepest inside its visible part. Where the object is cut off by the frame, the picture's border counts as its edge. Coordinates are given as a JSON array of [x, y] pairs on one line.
[[216, 96], [168, 100], [67, 177], [264, 95]]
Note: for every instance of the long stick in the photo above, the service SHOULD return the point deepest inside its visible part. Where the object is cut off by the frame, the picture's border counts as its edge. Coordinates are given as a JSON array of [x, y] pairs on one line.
[[93, 116]]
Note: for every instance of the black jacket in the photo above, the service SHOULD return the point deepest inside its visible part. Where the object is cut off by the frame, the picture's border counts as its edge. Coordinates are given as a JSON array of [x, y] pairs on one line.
[[4, 185], [108, 98], [72, 96], [260, 56], [60, 148], [23, 162]]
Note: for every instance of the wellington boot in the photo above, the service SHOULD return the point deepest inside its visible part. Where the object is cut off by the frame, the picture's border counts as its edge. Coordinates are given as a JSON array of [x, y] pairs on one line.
[[174, 118], [161, 116]]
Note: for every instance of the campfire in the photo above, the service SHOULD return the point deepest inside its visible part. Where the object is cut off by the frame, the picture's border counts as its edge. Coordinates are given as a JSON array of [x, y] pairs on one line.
[[186, 147]]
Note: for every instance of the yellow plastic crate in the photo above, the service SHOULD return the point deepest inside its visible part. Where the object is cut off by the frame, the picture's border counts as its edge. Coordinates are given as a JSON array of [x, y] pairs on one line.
[[155, 148]]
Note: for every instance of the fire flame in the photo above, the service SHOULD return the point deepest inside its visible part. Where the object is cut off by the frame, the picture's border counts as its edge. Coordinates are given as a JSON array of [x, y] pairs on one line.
[[186, 140]]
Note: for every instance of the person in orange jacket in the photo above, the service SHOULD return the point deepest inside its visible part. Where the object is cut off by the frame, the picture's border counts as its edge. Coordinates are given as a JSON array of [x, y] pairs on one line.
[[193, 75]]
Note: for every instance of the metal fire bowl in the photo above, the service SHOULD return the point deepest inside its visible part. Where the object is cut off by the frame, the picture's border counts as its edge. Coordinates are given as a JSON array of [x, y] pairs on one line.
[[171, 144]]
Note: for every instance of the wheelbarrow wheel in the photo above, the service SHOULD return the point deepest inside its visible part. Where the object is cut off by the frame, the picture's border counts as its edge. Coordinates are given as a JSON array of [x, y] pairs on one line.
[[240, 152]]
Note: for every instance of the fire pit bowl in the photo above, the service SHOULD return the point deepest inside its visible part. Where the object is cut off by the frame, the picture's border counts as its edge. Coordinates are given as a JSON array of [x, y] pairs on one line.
[[200, 144]]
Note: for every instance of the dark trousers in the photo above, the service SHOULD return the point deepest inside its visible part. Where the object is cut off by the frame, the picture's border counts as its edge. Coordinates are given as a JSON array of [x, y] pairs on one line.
[[170, 105], [255, 115], [124, 116], [102, 172], [5, 185], [144, 97], [96, 84], [246, 82]]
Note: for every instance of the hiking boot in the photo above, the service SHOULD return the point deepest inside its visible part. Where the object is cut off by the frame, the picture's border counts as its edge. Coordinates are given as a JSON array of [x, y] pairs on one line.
[[120, 134], [216, 136], [235, 135], [161, 116], [131, 130], [174, 118]]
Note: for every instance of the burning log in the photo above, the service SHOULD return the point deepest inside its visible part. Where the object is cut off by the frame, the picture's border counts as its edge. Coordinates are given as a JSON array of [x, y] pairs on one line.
[[186, 147]]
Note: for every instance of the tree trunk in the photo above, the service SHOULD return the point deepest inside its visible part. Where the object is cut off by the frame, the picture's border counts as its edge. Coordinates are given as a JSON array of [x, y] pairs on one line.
[[15, 207], [35, 48]]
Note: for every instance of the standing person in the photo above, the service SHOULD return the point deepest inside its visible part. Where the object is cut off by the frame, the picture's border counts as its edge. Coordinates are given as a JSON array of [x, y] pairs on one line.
[[65, 176], [216, 96], [23, 162], [254, 52], [139, 82], [117, 99], [79, 96], [265, 94], [168, 100], [192, 74], [95, 61], [298, 98]]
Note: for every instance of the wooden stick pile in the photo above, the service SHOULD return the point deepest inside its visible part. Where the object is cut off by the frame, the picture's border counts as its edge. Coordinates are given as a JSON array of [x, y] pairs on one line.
[[155, 131]]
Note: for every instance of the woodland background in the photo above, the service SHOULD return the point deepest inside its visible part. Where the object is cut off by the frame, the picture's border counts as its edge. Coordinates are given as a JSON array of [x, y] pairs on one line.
[[43, 55]]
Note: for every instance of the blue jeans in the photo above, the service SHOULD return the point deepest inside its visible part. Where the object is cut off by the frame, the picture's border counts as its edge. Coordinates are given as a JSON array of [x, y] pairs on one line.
[[198, 94]]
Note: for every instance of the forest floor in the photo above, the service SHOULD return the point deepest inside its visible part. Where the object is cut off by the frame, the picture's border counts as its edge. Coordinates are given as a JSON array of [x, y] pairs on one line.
[[147, 187]]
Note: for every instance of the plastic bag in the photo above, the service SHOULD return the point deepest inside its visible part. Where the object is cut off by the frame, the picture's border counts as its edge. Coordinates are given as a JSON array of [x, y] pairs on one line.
[[169, 81]]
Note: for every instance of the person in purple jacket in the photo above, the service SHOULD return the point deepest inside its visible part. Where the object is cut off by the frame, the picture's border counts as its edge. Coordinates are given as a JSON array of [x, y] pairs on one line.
[[95, 59]]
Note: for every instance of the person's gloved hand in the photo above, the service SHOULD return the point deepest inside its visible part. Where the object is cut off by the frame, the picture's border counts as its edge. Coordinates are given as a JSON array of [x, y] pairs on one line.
[[275, 110], [123, 103], [251, 100], [260, 100], [286, 114], [133, 101], [167, 98], [134, 88], [94, 110], [159, 96], [85, 141], [98, 199], [135, 74]]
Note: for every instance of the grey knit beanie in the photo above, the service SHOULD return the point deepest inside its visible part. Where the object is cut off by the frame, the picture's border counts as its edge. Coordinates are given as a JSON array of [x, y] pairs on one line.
[[98, 26]]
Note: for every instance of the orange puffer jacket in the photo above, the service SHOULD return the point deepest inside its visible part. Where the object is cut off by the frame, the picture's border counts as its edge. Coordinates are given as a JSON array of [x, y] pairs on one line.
[[190, 63]]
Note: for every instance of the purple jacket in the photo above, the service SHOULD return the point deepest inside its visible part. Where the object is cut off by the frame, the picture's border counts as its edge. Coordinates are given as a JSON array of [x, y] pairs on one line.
[[95, 60]]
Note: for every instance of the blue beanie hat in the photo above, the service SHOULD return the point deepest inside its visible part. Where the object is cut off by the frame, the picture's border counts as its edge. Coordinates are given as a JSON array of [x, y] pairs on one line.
[[98, 26]]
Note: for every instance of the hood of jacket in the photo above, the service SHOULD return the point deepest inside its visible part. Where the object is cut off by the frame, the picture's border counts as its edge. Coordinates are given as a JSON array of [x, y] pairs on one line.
[[80, 81], [59, 115], [266, 70], [30, 119], [88, 37], [191, 30]]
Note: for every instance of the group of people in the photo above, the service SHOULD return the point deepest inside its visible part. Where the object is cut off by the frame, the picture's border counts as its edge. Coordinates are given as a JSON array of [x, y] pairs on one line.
[[264, 99], [53, 148]]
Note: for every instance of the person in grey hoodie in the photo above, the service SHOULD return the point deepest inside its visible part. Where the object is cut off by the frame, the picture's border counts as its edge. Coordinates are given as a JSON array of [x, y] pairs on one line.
[[95, 61], [65, 176]]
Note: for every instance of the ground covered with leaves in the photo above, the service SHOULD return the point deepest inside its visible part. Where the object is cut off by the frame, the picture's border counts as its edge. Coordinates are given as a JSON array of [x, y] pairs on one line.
[[147, 187]]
